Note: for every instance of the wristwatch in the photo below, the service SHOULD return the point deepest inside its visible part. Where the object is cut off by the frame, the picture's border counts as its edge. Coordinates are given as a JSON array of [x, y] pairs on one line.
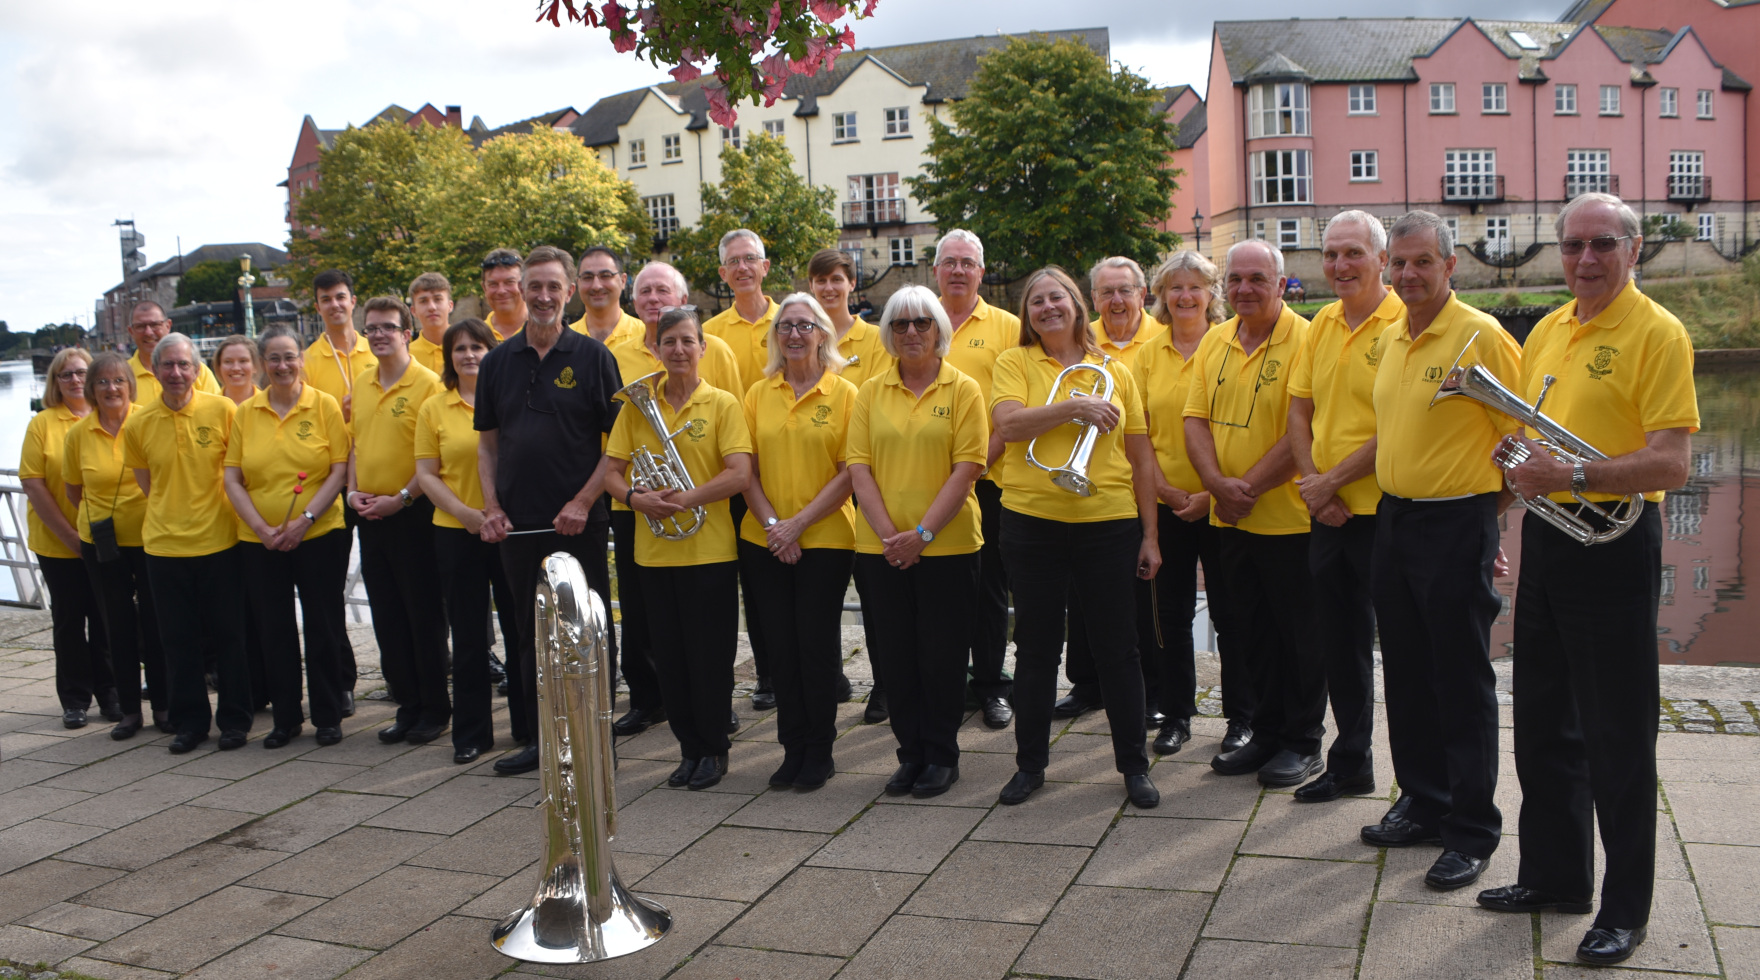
[[772, 522], [1579, 479], [407, 499], [926, 534], [308, 516]]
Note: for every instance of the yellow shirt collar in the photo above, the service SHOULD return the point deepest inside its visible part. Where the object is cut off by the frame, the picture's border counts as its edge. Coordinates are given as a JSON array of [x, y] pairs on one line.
[[1286, 321], [1615, 313], [823, 385], [360, 343], [943, 375]]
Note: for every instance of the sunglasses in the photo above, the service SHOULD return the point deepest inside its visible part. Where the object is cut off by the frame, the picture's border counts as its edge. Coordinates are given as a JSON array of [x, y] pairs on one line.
[[1604, 244], [922, 324]]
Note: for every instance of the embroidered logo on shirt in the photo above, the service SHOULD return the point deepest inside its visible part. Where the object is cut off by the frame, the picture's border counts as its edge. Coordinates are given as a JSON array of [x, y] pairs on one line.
[[1434, 373], [204, 436], [566, 378], [1602, 365], [1373, 355], [304, 431], [975, 342], [942, 411], [398, 406], [1269, 371], [696, 429], [822, 417]]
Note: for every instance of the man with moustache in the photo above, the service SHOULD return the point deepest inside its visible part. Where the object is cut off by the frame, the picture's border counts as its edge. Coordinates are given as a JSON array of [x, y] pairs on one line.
[[502, 269], [147, 324]]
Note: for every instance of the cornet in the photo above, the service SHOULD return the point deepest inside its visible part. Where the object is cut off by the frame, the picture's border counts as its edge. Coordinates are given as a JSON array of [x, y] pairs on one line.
[[1073, 474], [654, 473]]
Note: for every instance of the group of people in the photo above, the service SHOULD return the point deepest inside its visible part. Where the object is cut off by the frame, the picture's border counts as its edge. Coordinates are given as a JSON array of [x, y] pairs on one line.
[[1083, 460]]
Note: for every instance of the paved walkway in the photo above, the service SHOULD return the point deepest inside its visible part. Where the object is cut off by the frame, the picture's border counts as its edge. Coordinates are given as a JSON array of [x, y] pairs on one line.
[[120, 860]]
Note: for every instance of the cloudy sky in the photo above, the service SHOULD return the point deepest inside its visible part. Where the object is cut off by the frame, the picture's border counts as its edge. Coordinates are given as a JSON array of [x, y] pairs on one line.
[[183, 115]]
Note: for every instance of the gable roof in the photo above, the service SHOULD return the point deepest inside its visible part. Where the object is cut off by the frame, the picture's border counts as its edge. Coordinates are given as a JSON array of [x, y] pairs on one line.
[[1191, 127], [480, 134]]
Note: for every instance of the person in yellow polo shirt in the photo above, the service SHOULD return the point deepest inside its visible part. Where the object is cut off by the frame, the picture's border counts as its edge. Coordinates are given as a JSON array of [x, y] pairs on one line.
[[286, 464], [396, 524], [103, 490], [917, 439], [1332, 435], [746, 324], [340, 353], [176, 446], [503, 273], [831, 276], [1236, 418], [688, 584], [797, 541], [1585, 630], [601, 284], [430, 302], [148, 323], [1436, 543], [1065, 548]]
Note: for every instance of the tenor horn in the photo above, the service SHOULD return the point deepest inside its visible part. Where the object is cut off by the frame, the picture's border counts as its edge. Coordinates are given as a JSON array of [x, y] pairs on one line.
[[581, 912], [657, 472], [1473, 381], [1072, 475]]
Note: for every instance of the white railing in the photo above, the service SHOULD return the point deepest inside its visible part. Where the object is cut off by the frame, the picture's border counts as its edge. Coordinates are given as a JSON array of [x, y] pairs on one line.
[[15, 553]]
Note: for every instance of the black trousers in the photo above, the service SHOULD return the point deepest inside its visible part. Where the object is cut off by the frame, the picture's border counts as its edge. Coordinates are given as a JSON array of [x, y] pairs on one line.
[[637, 657], [1344, 624], [1049, 564], [522, 557], [131, 625], [397, 565], [271, 578], [1585, 704], [693, 618], [470, 572], [736, 507], [201, 618], [989, 626], [917, 619], [1270, 596], [82, 655], [1434, 605], [801, 609], [255, 656], [350, 669]]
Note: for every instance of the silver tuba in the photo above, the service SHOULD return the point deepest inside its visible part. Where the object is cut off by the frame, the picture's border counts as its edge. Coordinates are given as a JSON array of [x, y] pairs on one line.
[[581, 913], [1073, 474], [1473, 381], [654, 473]]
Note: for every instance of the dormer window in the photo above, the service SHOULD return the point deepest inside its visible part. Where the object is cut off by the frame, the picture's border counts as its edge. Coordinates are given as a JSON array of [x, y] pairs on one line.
[[1278, 109]]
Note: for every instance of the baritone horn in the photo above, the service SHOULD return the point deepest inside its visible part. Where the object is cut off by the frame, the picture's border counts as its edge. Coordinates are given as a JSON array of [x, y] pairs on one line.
[[581, 912], [657, 473], [1072, 475], [1473, 381]]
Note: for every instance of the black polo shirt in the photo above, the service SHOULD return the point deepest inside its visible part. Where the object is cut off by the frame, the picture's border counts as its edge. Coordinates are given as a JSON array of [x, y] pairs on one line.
[[550, 416]]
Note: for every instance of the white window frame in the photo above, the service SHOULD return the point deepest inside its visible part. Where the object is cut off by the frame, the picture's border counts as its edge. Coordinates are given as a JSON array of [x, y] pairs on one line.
[[1707, 226], [898, 123], [1454, 227], [1610, 100], [1365, 166], [1442, 98], [1291, 183], [1706, 103], [1259, 230], [730, 137], [1685, 165], [638, 153], [903, 250], [880, 196], [662, 210], [672, 148], [1279, 109], [1497, 235], [776, 128], [1564, 100], [1471, 168], [843, 127], [1289, 233], [1588, 170], [1362, 101], [1668, 103], [1494, 99]]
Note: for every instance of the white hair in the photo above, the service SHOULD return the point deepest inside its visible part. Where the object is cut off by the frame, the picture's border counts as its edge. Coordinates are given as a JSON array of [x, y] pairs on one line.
[[664, 268], [909, 303], [734, 236], [1413, 222], [1377, 231], [1276, 253], [959, 235], [1628, 219], [170, 340], [1120, 262]]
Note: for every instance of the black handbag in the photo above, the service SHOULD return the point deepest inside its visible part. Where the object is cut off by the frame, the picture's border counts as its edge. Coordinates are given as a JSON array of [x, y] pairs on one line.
[[104, 531]]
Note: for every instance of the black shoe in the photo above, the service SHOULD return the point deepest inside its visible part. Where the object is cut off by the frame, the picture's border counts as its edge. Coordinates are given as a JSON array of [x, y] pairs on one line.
[[844, 690], [997, 713], [1399, 831], [732, 722], [1602, 946], [785, 774], [1248, 758], [1287, 768], [1142, 792], [231, 739], [1399, 808], [423, 734], [348, 704], [1330, 787], [396, 733], [682, 774], [934, 781], [1174, 734], [813, 774], [876, 711], [904, 778], [1521, 898], [525, 760], [497, 669], [501, 688], [1454, 870], [328, 736], [1239, 734], [126, 728], [1073, 705], [109, 706], [638, 720], [709, 771], [763, 699], [1152, 715], [279, 737], [73, 718], [467, 754], [186, 741], [1020, 786]]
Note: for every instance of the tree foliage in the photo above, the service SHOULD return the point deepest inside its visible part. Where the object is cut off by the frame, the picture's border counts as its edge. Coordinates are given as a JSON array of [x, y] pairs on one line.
[[214, 281], [760, 190], [1053, 158]]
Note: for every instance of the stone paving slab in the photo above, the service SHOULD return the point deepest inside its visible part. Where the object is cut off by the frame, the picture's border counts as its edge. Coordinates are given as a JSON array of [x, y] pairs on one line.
[[284, 958], [998, 881], [1222, 959], [1144, 932], [180, 879], [1440, 942], [1311, 903], [204, 930], [863, 900]]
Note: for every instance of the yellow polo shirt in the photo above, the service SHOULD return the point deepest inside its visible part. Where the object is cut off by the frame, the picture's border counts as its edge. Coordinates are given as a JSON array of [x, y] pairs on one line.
[[1624, 374], [716, 430], [332, 371], [1441, 450], [270, 453], [1337, 371], [384, 427], [146, 383], [1164, 378], [798, 445], [980, 340], [433, 356], [635, 360], [1024, 375], [1246, 400], [750, 340], [865, 351], [45, 446], [1126, 353], [627, 326], [184, 453], [912, 445], [93, 462], [444, 432]]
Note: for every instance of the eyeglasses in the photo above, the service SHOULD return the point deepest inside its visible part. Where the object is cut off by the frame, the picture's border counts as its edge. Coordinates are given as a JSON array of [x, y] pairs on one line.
[[685, 309], [77, 374], [1121, 292], [802, 327], [605, 276], [280, 359], [1221, 375], [374, 329], [148, 324], [963, 264], [922, 324], [739, 260], [1604, 244], [111, 383]]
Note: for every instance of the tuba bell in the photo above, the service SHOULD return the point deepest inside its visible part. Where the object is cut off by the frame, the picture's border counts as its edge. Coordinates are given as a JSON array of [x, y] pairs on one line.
[[655, 473], [1473, 381], [580, 913], [1072, 475]]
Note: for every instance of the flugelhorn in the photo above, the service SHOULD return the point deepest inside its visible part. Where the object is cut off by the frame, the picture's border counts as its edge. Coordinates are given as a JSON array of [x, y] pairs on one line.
[[1072, 475], [1473, 381], [656, 473], [581, 913]]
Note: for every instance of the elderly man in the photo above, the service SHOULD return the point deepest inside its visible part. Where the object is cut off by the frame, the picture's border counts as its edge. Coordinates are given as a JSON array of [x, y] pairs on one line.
[[1332, 436], [544, 406], [176, 446], [147, 324], [981, 332], [601, 281], [1237, 422], [1435, 552], [502, 271], [1585, 630]]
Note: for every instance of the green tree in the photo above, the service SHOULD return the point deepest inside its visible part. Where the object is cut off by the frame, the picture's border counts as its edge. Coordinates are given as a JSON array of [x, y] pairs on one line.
[[759, 190], [1666, 228], [215, 281], [1053, 158]]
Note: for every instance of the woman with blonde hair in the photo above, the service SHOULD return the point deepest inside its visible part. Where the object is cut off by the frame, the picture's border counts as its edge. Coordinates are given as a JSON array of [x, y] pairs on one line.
[[239, 365]]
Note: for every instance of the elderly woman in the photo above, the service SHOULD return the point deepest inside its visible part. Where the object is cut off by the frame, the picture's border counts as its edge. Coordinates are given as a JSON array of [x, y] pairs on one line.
[[285, 466], [1062, 548], [82, 658], [917, 441], [690, 584], [239, 365], [797, 540], [107, 495]]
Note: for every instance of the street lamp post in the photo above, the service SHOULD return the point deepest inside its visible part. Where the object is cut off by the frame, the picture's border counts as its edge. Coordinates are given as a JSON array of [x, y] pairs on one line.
[[1197, 230], [245, 282]]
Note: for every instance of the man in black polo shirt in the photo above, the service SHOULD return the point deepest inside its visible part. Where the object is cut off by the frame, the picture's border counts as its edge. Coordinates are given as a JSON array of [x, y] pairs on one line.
[[543, 404]]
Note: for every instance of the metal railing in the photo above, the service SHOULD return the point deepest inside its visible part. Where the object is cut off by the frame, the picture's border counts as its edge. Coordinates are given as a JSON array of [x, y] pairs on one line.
[[15, 554], [1472, 187], [874, 211], [1689, 188], [1578, 184]]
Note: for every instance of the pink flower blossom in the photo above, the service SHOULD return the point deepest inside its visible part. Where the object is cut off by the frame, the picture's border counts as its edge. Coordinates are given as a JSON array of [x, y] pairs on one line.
[[773, 85], [776, 65], [686, 72], [827, 10], [847, 39], [624, 42], [868, 10], [647, 15], [776, 16], [719, 109], [614, 15]]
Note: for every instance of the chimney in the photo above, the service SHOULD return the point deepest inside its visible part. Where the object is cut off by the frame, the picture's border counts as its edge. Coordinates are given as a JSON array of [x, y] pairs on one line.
[[455, 116]]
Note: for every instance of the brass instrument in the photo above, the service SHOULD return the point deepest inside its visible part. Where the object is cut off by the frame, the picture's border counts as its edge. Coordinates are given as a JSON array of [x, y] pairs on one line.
[[1073, 474], [1473, 381], [581, 913], [653, 473]]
